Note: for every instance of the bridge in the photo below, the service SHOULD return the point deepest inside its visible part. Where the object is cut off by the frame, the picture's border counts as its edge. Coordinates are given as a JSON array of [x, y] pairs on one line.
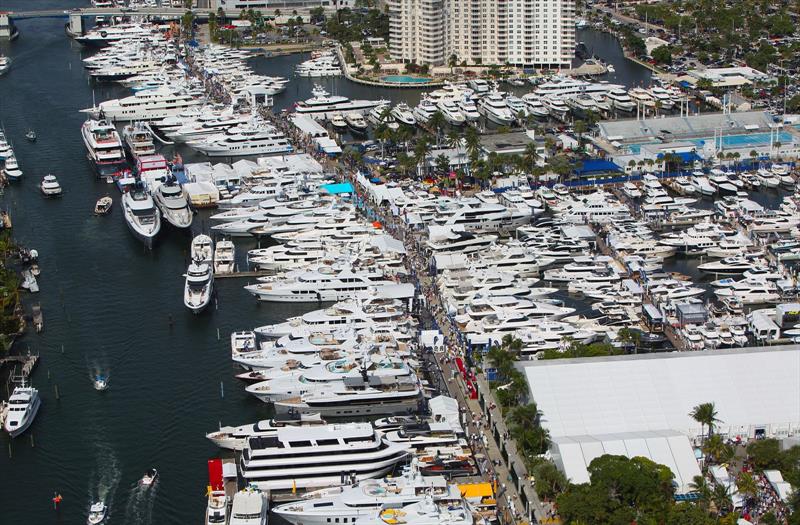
[[75, 16]]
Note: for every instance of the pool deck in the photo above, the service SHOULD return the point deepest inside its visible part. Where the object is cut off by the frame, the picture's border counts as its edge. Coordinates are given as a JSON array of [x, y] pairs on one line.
[[377, 83]]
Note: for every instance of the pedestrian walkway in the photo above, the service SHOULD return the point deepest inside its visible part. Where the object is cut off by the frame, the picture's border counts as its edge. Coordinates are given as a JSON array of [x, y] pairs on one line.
[[484, 432]]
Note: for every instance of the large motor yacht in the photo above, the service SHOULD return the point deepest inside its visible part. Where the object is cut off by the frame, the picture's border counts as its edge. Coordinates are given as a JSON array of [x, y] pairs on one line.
[[324, 284], [249, 140], [104, 147], [145, 105], [141, 216], [323, 105], [23, 405], [173, 205], [354, 502], [493, 107], [199, 286], [323, 456]]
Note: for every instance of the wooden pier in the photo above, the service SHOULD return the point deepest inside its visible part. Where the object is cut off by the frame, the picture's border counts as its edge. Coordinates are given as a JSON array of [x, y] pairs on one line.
[[254, 273]]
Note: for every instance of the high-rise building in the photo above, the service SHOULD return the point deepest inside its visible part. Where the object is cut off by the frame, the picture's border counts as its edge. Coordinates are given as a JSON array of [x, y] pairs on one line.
[[527, 33], [416, 31]]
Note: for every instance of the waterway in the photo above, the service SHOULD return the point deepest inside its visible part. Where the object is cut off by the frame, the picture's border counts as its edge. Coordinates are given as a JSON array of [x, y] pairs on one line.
[[111, 306]]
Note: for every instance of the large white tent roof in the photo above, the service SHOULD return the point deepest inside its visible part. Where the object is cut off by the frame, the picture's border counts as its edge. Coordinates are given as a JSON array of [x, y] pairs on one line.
[[753, 389], [574, 454]]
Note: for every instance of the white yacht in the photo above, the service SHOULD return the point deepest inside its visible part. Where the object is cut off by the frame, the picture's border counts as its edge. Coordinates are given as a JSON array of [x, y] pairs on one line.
[[535, 106], [201, 249], [323, 456], [479, 85], [138, 140], [322, 105], [11, 168], [451, 113], [23, 405], [5, 64], [97, 513], [621, 100], [224, 258], [358, 396], [145, 105], [353, 502], [459, 242], [198, 287], [104, 146], [427, 511], [249, 508], [235, 438], [556, 106], [749, 291], [403, 114], [50, 186], [141, 216], [469, 109], [239, 141], [325, 284], [493, 107], [217, 508], [173, 205], [662, 96], [424, 110]]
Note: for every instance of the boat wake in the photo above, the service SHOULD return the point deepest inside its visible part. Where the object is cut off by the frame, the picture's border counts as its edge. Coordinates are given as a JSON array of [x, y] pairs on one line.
[[105, 477], [139, 510]]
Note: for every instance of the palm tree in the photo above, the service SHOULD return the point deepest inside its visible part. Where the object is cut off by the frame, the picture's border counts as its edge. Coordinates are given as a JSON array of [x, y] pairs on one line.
[[531, 156], [421, 151], [716, 448], [706, 415], [747, 486], [699, 485], [382, 135], [437, 122]]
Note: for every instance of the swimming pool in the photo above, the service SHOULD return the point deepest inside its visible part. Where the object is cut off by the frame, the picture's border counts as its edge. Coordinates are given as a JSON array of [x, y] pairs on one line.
[[748, 139], [728, 141], [405, 79]]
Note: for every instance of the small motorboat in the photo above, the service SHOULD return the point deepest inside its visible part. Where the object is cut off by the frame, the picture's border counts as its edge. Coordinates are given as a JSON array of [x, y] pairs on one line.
[[31, 136], [103, 205], [50, 186], [97, 513], [100, 383], [149, 477]]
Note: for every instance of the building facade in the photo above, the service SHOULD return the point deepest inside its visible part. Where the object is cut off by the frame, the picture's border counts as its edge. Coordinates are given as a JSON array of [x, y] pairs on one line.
[[525, 33], [267, 6], [416, 31]]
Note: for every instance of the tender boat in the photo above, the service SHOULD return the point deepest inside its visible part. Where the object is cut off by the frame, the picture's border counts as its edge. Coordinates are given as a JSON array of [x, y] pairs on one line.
[[149, 477], [202, 249], [97, 513], [31, 136], [50, 186], [141, 216], [100, 383], [103, 205], [23, 405], [338, 122], [217, 508], [224, 257]]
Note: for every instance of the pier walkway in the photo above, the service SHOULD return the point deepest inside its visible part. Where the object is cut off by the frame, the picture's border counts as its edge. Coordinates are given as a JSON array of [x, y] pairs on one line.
[[517, 499]]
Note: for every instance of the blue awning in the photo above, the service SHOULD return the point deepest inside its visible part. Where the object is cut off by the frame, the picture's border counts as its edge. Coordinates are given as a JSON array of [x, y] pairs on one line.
[[685, 156], [597, 166], [335, 189]]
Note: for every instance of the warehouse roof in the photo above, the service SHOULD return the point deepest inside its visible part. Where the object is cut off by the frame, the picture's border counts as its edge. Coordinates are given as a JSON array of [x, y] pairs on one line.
[[752, 388]]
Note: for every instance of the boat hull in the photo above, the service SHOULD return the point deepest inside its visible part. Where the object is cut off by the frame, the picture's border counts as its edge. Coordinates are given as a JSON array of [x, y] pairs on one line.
[[28, 421]]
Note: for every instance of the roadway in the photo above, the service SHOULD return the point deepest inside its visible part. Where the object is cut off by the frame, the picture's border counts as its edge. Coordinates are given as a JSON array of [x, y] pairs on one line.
[[167, 12]]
